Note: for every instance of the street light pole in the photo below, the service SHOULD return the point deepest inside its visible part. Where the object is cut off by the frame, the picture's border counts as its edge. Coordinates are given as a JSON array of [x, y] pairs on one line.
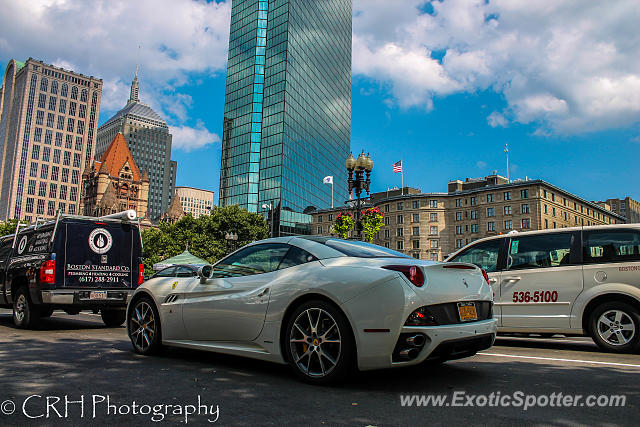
[[361, 168]]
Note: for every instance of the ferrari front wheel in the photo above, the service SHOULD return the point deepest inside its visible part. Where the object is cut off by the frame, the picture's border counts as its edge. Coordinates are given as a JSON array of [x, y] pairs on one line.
[[320, 345], [144, 327]]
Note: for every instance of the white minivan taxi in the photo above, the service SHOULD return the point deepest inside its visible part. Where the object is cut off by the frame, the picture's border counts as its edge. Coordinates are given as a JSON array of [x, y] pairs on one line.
[[573, 281]]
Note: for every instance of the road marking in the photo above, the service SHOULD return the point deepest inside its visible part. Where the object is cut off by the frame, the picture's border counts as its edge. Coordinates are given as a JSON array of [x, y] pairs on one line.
[[628, 365]]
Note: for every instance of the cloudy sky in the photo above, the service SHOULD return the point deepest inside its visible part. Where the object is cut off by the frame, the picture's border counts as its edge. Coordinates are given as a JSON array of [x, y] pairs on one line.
[[442, 85]]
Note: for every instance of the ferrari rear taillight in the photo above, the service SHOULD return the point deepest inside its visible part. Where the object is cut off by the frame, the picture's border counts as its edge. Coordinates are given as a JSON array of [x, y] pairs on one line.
[[48, 272], [140, 274], [485, 275], [421, 317], [413, 273]]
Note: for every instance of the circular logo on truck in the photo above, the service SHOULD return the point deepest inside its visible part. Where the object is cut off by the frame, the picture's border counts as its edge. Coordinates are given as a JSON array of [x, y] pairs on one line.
[[22, 245], [100, 241]]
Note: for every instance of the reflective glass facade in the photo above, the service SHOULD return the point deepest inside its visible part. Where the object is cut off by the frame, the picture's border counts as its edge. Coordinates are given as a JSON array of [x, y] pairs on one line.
[[287, 120]]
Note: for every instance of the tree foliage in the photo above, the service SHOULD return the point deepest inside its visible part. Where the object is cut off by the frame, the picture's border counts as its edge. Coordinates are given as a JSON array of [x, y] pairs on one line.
[[372, 222], [343, 224], [8, 227], [204, 236]]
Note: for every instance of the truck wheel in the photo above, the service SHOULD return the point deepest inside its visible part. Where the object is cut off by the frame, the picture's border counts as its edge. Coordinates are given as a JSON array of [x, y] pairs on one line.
[[113, 318], [24, 312], [615, 327]]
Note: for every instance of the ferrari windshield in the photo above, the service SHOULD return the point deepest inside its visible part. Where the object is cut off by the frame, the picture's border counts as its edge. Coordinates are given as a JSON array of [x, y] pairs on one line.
[[362, 249]]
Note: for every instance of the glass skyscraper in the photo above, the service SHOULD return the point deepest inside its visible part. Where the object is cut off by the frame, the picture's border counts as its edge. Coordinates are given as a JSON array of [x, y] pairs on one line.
[[287, 120]]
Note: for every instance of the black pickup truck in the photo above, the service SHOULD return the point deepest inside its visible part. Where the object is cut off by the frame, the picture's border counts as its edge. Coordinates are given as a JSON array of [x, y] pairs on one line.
[[74, 263]]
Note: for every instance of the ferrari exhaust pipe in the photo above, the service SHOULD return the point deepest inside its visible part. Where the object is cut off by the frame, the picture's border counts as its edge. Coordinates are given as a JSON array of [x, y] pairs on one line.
[[416, 340], [408, 354]]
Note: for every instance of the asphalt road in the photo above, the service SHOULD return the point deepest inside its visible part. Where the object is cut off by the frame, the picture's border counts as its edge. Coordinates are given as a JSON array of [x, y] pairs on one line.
[[78, 357]]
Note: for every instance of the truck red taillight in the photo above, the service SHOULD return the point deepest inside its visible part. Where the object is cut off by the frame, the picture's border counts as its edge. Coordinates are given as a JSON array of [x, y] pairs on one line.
[[413, 273], [140, 274], [48, 272]]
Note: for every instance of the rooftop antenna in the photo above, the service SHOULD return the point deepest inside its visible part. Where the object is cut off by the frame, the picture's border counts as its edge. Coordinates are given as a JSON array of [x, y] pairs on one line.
[[506, 150]]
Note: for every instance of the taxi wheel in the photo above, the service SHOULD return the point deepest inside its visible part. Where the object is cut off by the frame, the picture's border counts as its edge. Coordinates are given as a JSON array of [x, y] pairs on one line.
[[319, 344], [144, 327], [25, 314], [113, 318], [615, 327]]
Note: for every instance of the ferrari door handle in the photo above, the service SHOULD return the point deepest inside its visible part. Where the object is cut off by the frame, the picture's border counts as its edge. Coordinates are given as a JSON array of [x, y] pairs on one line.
[[512, 279], [263, 293], [492, 280]]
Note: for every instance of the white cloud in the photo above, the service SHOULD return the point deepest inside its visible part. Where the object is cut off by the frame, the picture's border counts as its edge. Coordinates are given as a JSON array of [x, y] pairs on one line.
[[187, 138], [481, 164], [496, 119], [566, 66], [101, 38]]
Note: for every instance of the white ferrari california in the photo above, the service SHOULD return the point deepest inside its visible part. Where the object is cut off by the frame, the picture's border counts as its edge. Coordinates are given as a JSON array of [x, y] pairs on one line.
[[323, 305]]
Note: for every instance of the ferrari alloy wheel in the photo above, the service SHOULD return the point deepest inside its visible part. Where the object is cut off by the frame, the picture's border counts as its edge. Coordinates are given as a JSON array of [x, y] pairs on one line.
[[319, 343], [615, 326], [144, 327]]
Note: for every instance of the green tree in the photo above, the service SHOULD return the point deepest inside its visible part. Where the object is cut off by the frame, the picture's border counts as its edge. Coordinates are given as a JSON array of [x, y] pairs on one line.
[[343, 224], [8, 227], [204, 236], [372, 222]]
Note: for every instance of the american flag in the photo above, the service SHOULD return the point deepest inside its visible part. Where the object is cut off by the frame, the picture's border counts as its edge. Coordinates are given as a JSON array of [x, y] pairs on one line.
[[397, 167]]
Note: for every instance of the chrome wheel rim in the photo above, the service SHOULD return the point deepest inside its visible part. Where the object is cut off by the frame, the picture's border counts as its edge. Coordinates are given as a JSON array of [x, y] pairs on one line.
[[315, 342], [616, 327], [142, 325], [21, 303]]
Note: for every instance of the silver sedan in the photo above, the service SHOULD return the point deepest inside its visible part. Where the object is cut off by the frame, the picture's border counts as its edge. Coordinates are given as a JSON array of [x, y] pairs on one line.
[[325, 306]]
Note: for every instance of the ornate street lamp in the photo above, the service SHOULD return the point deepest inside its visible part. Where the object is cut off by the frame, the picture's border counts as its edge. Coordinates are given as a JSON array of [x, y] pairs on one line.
[[231, 239], [362, 168]]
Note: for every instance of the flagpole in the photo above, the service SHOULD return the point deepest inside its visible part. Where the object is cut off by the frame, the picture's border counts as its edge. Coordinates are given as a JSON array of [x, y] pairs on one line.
[[506, 150], [402, 178], [332, 194]]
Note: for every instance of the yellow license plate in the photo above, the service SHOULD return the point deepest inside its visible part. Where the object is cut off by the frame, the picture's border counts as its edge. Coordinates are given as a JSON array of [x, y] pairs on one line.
[[467, 311]]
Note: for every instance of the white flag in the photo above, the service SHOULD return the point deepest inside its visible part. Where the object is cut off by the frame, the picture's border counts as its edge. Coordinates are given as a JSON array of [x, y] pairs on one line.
[[328, 180]]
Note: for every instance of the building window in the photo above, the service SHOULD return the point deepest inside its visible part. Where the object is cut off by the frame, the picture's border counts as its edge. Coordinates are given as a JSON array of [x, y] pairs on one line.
[[399, 232], [386, 208], [544, 193], [458, 216], [386, 245], [458, 229], [52, 107], [459, 243], [474, 201], [399, 206], [434, 257], [474, 214], [415, 204], [31, 188], [553, 210], [51, 208], [546, 209], [546, 223], [525, 208], [508, 225], [400, 245], [458, 203], [507, 195], [40, 207], [386, 220], [553, 197], [433, 230], [416, 231], [507, 210], [415, 244], [399, 219], [319, 229], [62, 106], [474, 228], [386, 233], [415, 218], [42, 189], [491, 226], [490, 212], [524, 194], [433, 217], [554, 224], [489, 198], [433, 203], [53, 191], [526, 223], [416, 255], [433, 244], [319, 218], [330, 217]]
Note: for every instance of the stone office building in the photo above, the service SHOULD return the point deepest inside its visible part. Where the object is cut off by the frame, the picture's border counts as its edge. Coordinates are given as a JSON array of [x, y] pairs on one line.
[[433, 225], [48, 122], [149, 140], [627, 207]]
